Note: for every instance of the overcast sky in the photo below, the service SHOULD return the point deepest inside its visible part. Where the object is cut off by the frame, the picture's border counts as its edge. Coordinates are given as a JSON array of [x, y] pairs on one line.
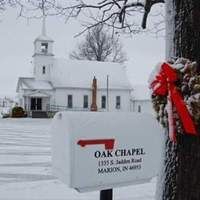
[[16, 50]]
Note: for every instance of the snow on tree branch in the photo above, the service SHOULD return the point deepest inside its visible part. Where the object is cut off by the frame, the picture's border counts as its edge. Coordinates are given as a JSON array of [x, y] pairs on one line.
[[118, 14], [116, 9]]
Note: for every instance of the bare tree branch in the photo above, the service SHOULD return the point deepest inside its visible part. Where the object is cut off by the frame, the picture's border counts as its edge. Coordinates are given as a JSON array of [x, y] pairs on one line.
[[101, 46], [126, 11]]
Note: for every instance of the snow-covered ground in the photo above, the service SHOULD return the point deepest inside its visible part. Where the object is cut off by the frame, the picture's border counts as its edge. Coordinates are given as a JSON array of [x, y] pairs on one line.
[[25, 166]]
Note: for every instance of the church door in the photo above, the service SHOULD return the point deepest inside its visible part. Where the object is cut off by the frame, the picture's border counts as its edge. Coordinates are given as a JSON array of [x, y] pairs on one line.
[[36, 103]]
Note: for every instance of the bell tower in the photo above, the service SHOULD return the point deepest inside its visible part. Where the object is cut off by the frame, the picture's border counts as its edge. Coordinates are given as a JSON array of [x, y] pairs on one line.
[[43, 56]]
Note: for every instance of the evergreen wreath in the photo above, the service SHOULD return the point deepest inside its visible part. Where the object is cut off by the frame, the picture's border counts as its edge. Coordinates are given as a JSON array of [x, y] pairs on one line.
[[188, 84]]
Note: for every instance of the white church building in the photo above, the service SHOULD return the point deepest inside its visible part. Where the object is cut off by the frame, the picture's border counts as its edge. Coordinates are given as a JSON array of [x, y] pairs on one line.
[[62, 84]]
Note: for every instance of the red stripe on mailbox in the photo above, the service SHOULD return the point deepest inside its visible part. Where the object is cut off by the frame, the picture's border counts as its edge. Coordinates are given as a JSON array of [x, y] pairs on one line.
[[108, 143]]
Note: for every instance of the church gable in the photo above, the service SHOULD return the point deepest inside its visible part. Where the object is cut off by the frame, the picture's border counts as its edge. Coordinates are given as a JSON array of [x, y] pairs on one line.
[[33, 84]]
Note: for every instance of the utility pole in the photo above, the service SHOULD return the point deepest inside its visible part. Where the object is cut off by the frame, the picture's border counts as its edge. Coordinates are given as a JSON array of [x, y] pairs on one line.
[[107, 91]]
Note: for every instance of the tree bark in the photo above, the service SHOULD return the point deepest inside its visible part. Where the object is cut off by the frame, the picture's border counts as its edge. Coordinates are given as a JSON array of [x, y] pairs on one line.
[[170, 29], [187, 29], [180, 178]]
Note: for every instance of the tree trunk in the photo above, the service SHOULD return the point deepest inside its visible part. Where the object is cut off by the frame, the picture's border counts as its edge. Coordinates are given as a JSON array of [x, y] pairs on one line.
[[187, 29], [180, 179]]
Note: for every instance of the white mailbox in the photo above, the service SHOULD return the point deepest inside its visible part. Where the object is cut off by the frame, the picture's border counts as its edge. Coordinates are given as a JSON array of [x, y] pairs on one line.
[[102, 150]]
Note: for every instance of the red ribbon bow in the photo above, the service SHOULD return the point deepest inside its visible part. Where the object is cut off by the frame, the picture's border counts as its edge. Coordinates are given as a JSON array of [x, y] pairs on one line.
[[164, 84]]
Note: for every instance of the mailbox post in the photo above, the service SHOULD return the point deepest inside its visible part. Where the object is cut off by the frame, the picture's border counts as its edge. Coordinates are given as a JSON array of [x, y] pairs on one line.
[[106, 194]]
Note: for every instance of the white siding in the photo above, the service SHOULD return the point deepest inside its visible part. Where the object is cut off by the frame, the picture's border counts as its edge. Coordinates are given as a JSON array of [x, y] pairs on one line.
[[125, 99], [145, 105], [61, 98], [39, 62]]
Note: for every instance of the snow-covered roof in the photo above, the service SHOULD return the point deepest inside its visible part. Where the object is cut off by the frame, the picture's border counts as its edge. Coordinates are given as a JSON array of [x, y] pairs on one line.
[[43, 38], [79, 74], [141, 92], [33, 84]]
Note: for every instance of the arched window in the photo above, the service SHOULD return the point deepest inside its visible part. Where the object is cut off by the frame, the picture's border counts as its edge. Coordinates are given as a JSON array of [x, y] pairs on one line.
[[43, 70]]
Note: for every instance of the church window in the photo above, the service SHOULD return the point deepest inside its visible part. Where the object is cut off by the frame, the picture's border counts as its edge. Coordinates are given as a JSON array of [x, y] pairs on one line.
[[43, 70], [85, 101], [69, 101], [103, 102], [44, 47], [118, 102], [139, 108]]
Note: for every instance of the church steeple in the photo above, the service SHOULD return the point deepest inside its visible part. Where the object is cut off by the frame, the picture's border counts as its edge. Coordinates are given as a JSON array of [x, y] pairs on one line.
[[43, 54], [43, 44], [44, 26]]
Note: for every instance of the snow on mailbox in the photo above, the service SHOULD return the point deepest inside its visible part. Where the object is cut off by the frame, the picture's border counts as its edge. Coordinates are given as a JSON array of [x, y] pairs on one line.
[[102, 150]]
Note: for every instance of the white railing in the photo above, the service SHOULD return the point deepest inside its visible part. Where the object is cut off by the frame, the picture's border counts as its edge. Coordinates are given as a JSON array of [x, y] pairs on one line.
[[57, 108]]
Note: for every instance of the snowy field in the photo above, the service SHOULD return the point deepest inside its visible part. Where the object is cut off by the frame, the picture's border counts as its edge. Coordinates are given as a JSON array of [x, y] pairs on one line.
[[25, 166]]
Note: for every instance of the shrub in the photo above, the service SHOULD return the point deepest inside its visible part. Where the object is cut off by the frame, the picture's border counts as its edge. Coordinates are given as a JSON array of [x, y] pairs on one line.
[[51, 114], [18, 111]]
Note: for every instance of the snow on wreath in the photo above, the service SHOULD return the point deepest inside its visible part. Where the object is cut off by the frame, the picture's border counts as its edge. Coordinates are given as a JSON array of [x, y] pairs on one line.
[[175, 89]]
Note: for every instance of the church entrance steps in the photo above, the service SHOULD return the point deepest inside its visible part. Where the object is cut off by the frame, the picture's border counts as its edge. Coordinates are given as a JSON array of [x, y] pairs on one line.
[[39, 114]]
